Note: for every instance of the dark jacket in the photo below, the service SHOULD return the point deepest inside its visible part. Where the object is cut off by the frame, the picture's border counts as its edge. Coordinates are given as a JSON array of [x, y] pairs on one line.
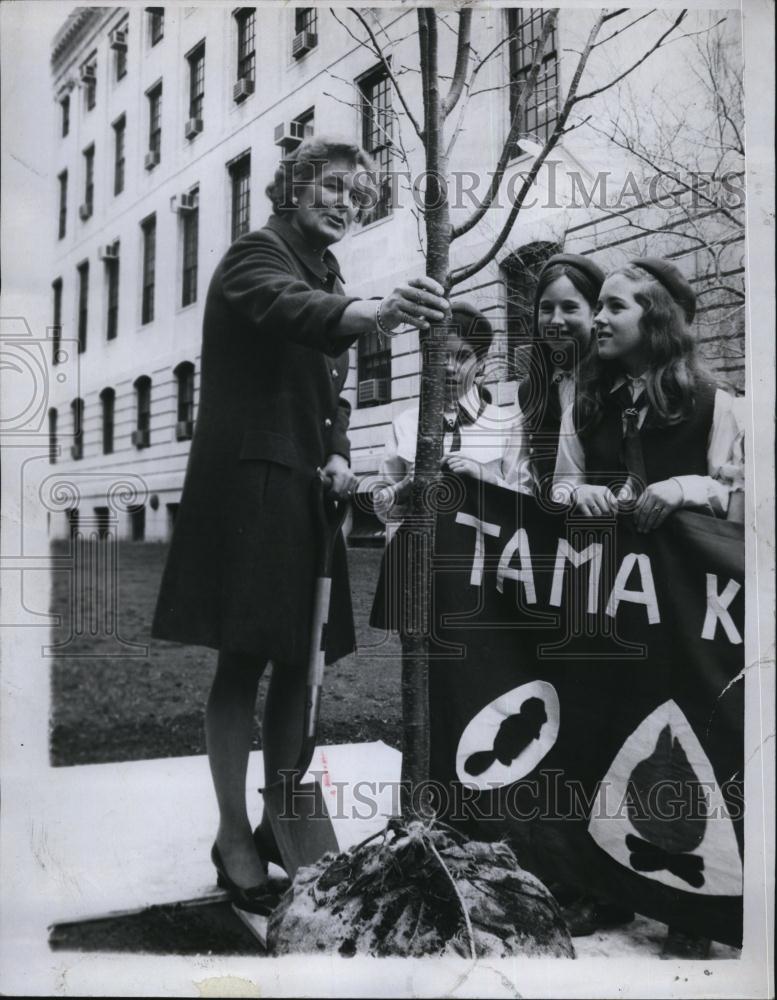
[[241, 565]]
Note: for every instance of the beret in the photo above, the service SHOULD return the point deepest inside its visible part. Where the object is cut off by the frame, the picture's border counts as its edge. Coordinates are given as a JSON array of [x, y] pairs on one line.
[[580, 262], [466, 315], [673, 281]]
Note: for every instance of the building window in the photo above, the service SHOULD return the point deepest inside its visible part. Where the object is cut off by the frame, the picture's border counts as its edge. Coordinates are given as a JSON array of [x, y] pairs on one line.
[[137, 516], [88, 206], [64, 105], [521, 271], [112, 278], [83, 304], [196, 81], [62, 204], [155, 121], [377, 130], [119, 46], [148, 227], [108, 400], [56, 325], [190, 236], [184, 375], [246, 30], [77, 423], [141, 436], [156, 24], [53, 445], [89, 80], [305, 28], [374, 371], [119, 134], [305, 19], [525, 28], [240, 175]]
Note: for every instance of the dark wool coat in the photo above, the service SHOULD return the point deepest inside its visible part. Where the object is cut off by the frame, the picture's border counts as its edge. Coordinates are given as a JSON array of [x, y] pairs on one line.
[[241, 565]]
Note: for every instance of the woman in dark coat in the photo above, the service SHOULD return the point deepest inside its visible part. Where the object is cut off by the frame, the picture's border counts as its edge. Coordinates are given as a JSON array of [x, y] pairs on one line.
[[240, 571]]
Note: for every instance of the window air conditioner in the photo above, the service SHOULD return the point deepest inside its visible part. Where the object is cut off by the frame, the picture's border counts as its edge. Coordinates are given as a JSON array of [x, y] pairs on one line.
[[84, 211], [303, 42], [152, 158], [118, 39], [184, 430], [373, 390], [109, 252], [288, 137], [186, 202], [192, 127], [140, 439], [242, 89], [88, 72], [77, 451]]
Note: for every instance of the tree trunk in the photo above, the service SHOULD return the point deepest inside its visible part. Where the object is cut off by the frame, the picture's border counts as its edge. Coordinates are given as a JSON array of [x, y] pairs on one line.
[[421, 521]]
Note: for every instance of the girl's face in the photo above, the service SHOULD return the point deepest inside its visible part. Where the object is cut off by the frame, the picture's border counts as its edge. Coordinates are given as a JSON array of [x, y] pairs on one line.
[[462, 366], [618, 334], [563, 306]]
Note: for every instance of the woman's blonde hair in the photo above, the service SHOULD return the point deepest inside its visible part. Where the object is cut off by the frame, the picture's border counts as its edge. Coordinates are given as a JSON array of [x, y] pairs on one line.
[[308, 159]]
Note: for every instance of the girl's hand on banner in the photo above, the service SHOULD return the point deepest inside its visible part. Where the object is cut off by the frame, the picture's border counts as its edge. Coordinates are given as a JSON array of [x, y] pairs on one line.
[[658, 501], [383, 499], [463, 466], [595, 501]]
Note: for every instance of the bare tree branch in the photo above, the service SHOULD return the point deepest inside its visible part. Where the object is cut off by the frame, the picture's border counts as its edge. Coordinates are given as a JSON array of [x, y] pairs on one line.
[[626, 27], [386, 65], [515, 127], [463, 273], [462, 62], [653, 48]]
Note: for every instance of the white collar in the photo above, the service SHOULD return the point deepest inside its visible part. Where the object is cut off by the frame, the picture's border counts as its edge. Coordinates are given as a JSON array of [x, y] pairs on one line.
[[635, 380], [470, 402]]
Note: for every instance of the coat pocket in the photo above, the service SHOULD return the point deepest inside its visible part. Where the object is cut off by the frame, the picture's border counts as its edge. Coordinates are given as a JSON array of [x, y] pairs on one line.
[[271, 447]]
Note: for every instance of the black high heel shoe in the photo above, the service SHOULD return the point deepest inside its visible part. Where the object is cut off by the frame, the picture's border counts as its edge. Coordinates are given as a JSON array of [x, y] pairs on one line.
[[254, 900], [267, 850]]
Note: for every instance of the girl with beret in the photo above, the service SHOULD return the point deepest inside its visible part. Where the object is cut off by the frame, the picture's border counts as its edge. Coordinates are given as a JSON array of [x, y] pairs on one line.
[[476, 434], [271, 422], [564, 302], [649, 426]]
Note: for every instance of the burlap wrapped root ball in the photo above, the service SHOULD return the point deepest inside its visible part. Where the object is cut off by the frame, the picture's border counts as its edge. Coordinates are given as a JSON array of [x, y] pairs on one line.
[[420, 891]]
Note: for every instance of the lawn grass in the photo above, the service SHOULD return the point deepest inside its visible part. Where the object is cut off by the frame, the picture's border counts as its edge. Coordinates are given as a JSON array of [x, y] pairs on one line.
[[110, 706]]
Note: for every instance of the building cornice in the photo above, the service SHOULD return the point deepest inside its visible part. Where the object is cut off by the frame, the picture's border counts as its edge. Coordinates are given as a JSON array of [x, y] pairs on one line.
[[76, 25]]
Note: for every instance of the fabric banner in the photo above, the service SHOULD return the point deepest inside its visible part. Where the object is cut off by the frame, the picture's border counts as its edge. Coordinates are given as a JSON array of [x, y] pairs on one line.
[[586, 695]]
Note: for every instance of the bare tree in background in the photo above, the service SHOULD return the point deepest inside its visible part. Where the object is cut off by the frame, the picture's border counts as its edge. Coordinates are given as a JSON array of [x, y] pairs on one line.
[[688, 149]]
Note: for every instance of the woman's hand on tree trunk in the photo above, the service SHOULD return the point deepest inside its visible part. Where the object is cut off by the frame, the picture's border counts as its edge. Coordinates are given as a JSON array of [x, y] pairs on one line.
[[417, 303]]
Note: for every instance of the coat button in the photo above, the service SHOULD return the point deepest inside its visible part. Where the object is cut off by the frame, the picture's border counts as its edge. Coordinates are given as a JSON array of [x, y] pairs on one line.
[[531, 451], [335, 373], [327, 422]]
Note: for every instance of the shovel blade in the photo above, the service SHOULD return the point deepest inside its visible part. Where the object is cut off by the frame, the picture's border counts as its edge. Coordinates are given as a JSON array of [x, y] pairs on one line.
[[300, 824]]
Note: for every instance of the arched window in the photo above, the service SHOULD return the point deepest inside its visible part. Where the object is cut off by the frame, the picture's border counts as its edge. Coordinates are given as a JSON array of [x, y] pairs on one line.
[[108, 400], [141, 436], [184, 374], [53, 446], [521, 270], [77, 422]]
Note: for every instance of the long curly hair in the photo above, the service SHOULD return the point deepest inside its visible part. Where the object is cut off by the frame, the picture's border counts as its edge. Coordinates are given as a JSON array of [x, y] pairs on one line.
[[674, 370]]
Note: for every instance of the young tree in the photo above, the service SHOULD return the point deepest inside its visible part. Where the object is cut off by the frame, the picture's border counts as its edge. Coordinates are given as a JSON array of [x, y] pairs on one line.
[[438, 136]]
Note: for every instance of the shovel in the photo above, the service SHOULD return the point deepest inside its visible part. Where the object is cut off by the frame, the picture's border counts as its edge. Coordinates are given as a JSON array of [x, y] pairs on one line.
[[298, 815]]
